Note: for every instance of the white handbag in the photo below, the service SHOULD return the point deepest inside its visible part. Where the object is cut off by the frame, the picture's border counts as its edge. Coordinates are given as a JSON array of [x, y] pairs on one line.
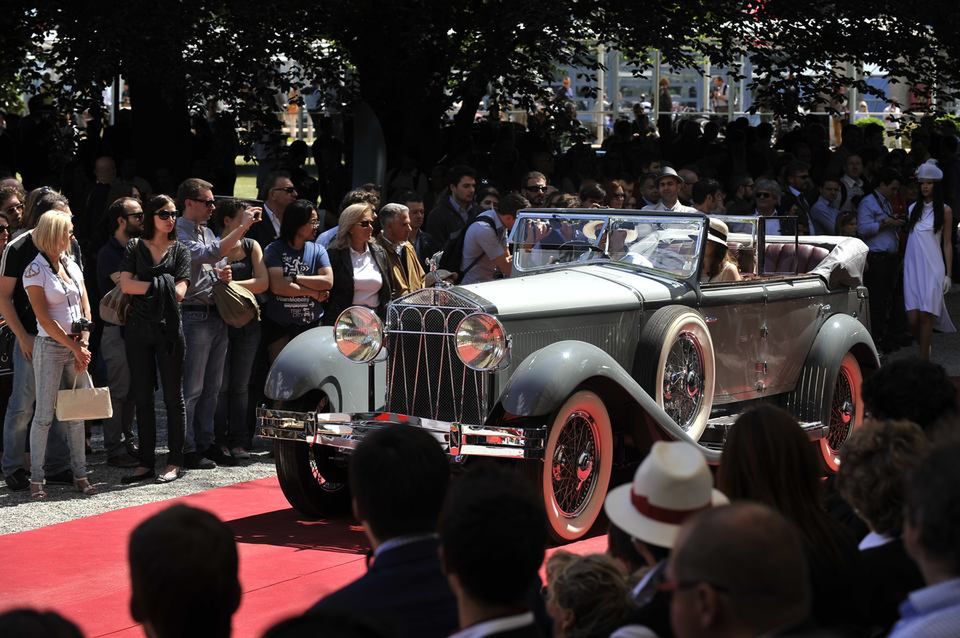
[[85, 404]]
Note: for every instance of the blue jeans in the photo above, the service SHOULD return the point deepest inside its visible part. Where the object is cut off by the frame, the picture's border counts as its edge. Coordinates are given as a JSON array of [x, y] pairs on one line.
[[206, 341], [232, 423], [114, 353], [18, 417], [53, 368]]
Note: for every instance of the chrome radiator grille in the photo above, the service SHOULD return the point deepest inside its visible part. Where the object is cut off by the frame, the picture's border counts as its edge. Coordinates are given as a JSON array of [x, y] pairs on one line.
[[425, 377]]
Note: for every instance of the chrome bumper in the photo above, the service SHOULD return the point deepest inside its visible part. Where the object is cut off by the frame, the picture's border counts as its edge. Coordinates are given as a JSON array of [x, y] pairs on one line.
[[345, 431]]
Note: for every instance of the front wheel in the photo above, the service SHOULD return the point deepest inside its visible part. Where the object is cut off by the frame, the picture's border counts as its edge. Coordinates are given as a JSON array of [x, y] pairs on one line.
[[313, 477], [577, 463], [843, 410]]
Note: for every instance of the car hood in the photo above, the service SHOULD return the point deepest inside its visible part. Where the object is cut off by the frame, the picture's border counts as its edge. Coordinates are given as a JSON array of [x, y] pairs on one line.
[[582, 290]]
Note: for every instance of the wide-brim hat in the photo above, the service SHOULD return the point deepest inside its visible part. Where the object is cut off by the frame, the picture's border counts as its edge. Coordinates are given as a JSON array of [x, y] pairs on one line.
[[590, 230], [717, 232], [668, 171], [672, 484], [929, 171]]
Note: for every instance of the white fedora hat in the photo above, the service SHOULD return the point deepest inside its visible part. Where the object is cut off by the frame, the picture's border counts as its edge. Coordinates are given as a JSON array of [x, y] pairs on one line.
[[672, 484]]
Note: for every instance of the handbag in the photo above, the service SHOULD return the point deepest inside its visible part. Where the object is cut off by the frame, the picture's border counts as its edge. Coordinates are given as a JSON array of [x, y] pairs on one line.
[[237, 305], [115, 306], [85, 404]]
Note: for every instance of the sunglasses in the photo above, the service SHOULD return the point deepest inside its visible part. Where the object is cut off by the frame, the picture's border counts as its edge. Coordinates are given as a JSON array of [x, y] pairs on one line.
[[366, 223], [209, 203], [537, 189], [18, 207], [763, 195], [167, 214], [4, 229], [290, 190], [134, 215]]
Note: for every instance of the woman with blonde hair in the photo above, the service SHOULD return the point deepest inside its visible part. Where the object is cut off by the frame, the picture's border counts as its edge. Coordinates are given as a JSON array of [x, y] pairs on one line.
[[54, 284], [361, 272], [587, 596]]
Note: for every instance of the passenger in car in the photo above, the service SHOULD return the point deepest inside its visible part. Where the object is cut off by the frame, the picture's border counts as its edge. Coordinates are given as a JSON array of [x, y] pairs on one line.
[[718, 263]]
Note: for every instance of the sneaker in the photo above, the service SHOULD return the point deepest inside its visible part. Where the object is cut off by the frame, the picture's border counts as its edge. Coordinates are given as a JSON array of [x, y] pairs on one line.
[[122, 460], [240, 454], [194, 461], [219, 456], [18, 481], [60, 478]]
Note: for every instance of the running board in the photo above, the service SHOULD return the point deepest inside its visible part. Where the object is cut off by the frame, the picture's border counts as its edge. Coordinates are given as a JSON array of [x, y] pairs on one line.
[[715, 435]]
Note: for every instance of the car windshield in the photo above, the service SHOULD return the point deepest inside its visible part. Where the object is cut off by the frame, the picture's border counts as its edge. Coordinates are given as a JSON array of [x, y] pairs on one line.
[[668, 243]]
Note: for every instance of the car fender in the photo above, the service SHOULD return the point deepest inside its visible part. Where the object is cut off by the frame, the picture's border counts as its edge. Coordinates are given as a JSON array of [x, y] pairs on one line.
[[311, 361], [838, 335], [547, 377]]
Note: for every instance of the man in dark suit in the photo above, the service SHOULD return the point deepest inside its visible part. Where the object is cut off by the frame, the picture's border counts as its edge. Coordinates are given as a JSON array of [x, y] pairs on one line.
[[399, 477], [454, 212], [280, 193], [493, 537]]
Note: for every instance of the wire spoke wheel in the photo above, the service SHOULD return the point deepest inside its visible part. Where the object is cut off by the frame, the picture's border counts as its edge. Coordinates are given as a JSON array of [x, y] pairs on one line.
[[574, 462], [683, 380], [843, 411]]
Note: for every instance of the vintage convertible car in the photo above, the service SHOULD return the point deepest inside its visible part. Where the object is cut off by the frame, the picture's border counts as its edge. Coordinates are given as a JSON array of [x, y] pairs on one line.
[[603, 341]]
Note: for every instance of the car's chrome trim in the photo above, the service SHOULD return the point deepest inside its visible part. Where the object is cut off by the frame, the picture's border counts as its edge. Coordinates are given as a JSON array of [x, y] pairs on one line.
[[345, 431]]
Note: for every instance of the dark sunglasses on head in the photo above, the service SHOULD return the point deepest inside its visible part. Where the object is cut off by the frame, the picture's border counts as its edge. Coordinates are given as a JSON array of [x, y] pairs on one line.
[[167, 214], [763, 195], [539, 189], [366, 223], [287, 189], [209, 203], [4, 229]]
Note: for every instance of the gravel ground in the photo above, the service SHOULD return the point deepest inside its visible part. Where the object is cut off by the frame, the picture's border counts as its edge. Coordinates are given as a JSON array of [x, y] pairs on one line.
[[18, 512]]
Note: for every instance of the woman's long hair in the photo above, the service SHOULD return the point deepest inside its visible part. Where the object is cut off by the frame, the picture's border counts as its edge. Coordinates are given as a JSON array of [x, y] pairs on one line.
[[769, 459], [937, 208]]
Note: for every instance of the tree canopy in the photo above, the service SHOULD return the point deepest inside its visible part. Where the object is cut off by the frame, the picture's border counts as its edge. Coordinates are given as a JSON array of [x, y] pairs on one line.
[[412, 60]]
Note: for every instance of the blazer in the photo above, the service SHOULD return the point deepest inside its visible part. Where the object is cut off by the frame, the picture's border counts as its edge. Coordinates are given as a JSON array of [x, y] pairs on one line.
[[406, 273], [341, 295], [263, 232], [404, 590]]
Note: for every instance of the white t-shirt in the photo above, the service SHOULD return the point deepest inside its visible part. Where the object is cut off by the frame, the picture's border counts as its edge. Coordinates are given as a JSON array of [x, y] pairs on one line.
[[63, 299], [366, 279]]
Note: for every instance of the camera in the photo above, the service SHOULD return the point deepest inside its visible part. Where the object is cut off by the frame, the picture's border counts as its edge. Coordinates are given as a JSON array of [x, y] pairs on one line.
[[81, 325]]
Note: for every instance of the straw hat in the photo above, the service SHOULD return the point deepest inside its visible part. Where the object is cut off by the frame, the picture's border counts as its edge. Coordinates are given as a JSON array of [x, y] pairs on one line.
[[717, 232], [590, 230], [672, 484]]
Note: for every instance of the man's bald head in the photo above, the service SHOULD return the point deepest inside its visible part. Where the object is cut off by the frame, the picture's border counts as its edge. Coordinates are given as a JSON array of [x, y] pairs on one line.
[[738, 568]]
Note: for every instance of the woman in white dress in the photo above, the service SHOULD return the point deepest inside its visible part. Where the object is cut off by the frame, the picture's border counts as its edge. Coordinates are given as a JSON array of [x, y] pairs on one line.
[[926, 274]]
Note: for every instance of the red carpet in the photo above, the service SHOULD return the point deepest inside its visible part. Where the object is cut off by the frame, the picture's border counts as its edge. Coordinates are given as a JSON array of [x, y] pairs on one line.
[[79, 568]]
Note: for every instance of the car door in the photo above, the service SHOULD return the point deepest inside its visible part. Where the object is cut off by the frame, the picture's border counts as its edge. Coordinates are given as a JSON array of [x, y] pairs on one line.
[[735, 313]]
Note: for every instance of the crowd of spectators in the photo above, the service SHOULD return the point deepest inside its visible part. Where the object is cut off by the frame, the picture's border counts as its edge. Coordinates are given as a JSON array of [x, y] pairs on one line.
[[756, 551]]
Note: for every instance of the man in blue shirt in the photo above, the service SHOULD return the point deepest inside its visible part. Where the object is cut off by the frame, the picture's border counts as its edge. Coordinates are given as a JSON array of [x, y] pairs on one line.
[[203, 329], [878, 227], [931, 535], [823, 214]]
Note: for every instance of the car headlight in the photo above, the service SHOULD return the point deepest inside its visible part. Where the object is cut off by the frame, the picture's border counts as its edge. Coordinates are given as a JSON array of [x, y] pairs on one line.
[[359, 334], [481, 342]]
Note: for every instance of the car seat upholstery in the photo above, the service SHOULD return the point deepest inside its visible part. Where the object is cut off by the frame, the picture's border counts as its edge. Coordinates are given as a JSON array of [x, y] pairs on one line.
[[789, 257]]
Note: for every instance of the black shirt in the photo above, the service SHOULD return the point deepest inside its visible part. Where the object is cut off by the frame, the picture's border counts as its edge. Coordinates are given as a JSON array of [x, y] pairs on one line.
[[16, 257], [138, 261], [108, 262]]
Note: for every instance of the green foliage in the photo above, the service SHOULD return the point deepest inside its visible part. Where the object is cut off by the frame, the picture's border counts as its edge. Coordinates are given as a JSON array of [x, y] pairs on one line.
[[868, 121], [949, 119]]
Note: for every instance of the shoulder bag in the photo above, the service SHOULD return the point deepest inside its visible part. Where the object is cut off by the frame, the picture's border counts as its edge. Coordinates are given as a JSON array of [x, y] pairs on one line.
[[237, 305]]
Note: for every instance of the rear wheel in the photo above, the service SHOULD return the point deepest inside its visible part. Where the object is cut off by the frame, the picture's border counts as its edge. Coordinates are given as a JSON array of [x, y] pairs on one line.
[[313, 477], [843, 410], [578, 459]]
